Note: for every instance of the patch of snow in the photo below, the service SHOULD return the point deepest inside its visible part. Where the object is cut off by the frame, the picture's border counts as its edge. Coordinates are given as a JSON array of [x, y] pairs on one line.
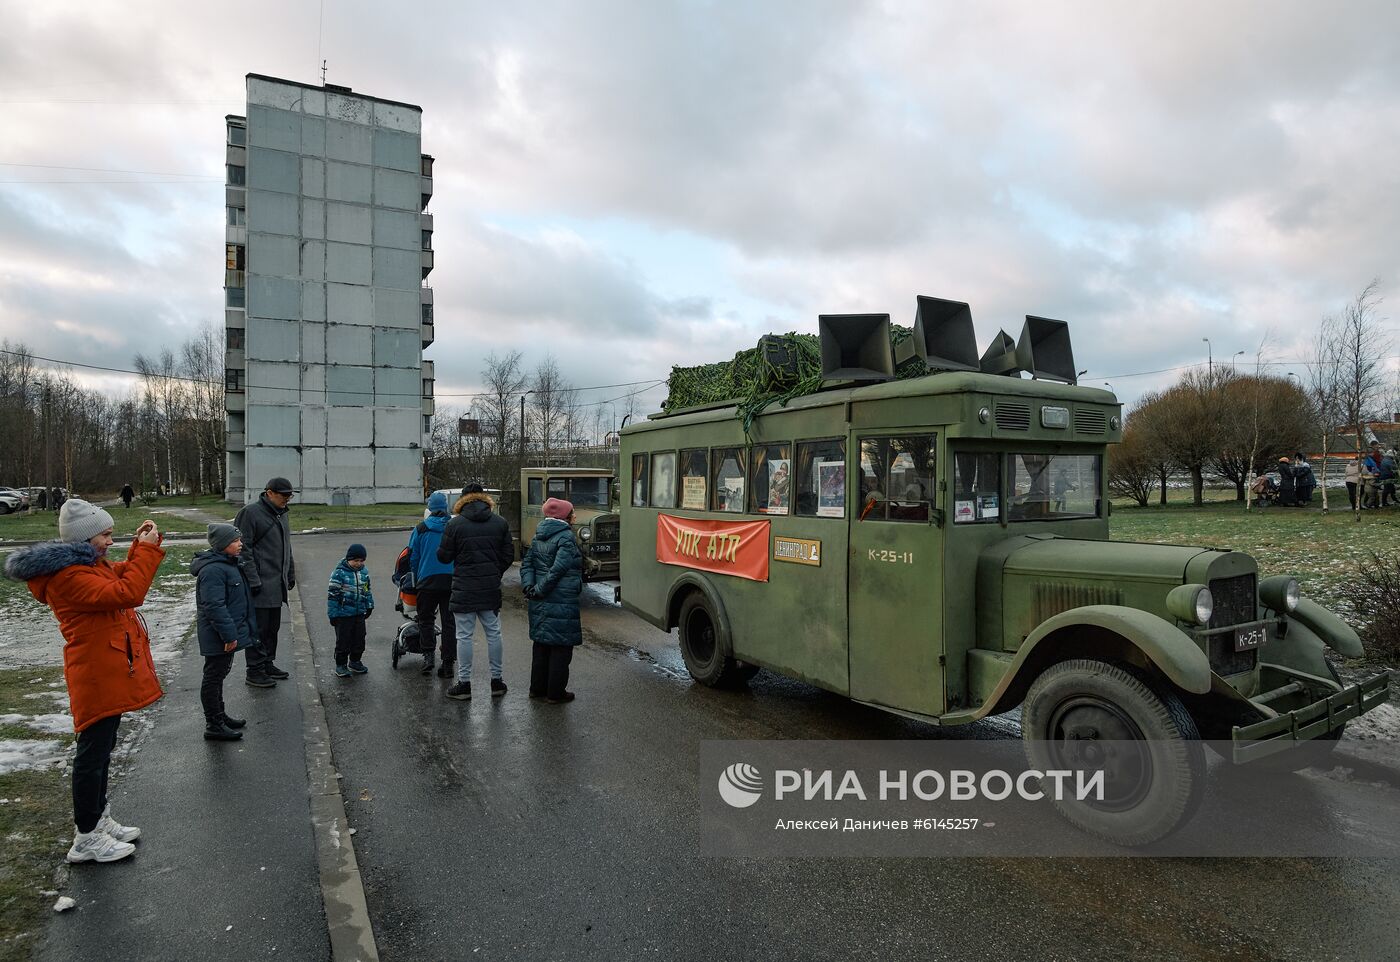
[[1381, 722], [57, 697], [22, 754], [54, 724], [63, 904]]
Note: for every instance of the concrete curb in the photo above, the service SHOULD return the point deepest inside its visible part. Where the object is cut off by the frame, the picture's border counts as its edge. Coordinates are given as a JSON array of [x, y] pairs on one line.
[[342, 890]]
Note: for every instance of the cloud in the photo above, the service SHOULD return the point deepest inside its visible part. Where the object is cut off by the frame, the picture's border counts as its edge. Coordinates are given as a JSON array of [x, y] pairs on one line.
[[1152, 174]]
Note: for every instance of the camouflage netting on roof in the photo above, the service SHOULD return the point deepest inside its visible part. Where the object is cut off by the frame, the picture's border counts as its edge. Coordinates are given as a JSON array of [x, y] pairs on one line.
[[752, 383]]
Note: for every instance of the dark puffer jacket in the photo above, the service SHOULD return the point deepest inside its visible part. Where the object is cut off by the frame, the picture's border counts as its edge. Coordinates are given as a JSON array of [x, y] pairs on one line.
[[267, 551], [554, 568], [225, 603], [478, 546]]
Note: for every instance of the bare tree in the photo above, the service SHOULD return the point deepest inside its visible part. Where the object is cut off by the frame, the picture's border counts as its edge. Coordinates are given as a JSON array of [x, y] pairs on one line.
[[553, 405], [504, 382], [1325, 391], [1362, 345]]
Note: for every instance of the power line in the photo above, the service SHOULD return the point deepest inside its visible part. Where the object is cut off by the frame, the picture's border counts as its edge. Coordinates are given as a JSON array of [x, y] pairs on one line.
[[130, 103], [300, 390], [193, 183], [102, 170]]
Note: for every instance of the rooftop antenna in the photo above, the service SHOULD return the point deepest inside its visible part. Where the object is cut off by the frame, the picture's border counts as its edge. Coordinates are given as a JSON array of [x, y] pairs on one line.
[[323, 73]]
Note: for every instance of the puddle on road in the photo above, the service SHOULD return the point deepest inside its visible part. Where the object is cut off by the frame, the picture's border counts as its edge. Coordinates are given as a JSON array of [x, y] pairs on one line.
[[636, 654]]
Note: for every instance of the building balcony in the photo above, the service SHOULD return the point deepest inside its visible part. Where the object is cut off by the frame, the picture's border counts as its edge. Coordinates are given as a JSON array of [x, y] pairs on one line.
[[427, 264], [235, 196], [425, 221], [427, 335], [236, 156], [236, 235], [429, 407], [235, 442], [235, 401], [426, 190]]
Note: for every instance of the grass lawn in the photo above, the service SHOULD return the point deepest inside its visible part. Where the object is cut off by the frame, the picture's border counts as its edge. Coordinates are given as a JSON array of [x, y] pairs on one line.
[[43, 525], [1322, 550], [35, 819]]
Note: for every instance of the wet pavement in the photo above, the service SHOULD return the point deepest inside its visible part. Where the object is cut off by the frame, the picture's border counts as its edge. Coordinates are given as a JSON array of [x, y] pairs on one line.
[[507, 828]]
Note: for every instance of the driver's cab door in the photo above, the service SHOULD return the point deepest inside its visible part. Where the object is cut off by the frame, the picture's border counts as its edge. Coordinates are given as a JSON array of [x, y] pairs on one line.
[[895, 578]]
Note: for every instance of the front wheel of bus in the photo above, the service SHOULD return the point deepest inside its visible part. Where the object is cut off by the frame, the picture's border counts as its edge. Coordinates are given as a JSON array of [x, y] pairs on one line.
[[1097, 716], [701, 645]]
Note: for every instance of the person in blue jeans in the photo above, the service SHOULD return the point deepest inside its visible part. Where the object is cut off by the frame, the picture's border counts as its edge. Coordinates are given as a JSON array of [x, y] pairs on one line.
[[478, 545], [349, 602]]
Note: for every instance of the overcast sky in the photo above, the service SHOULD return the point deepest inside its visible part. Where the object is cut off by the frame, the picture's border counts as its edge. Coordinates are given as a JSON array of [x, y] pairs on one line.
[[631, 185]]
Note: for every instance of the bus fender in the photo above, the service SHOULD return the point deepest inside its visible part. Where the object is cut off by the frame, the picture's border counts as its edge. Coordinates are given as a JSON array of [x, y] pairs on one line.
[[1102, 631], [690, 581], [1334, 632]]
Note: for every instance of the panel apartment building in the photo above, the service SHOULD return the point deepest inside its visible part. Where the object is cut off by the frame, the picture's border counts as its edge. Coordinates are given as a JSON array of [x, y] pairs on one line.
[[328, 245]]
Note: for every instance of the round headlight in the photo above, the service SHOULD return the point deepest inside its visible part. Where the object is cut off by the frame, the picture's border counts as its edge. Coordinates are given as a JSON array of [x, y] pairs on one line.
[[984, 415], [1205, 606], [1280, 593], [585, 534], [1191, 603], [1114, 423]]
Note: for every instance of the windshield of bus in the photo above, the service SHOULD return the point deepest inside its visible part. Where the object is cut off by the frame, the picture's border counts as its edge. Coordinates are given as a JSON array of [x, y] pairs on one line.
[[589, 492], [1053, 487]]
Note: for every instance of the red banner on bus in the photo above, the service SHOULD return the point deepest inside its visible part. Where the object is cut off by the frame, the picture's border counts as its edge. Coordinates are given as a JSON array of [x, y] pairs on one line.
[[738, 548]]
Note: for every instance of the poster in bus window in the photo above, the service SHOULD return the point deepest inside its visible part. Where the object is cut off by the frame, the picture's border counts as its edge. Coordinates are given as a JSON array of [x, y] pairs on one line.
[[988, 507], [830, 477], [964, 511], [693, 493], [731, 494], [777, 486]]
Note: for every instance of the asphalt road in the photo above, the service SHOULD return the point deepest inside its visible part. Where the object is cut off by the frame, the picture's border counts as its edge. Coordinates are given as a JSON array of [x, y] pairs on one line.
[[510, 829]]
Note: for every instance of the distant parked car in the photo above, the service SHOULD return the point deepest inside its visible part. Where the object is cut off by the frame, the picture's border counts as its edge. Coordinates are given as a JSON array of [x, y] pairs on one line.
[[23, 494], [12, 500]]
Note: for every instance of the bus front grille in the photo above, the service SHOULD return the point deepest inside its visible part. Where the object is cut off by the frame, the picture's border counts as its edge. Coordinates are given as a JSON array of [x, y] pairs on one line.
[[1012, 416]]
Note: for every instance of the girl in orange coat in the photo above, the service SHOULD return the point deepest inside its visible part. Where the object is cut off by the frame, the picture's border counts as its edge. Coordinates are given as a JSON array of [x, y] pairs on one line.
[[106, 654]]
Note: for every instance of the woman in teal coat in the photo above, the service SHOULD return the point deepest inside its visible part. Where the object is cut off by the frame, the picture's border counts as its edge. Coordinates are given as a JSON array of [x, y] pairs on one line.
[[551, 574]]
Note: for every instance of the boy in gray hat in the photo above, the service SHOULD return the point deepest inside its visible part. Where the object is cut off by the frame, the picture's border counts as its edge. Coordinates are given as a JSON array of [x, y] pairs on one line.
[[226, 622]]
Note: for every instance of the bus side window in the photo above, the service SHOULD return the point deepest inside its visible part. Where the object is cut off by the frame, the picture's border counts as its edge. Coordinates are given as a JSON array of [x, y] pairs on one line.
[[976, 487], [695, 473], [663, 480], [821, 479], [558, 488], [897, 478], [771, 469], [639, 480], [534, 491], [728, 485]]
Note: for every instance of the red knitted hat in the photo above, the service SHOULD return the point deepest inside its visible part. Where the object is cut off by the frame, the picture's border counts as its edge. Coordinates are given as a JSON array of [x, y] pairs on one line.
[[558, 508]]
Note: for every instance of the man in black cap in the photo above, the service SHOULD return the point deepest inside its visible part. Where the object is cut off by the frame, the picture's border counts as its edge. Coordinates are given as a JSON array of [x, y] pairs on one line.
[[267, 556]]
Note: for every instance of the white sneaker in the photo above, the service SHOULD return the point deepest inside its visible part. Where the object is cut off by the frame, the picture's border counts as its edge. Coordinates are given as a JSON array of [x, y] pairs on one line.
[[98, 846], [122, 833]]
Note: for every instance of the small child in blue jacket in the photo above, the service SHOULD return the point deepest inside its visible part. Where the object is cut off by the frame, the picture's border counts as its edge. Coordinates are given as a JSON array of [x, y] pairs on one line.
[[349, 602]]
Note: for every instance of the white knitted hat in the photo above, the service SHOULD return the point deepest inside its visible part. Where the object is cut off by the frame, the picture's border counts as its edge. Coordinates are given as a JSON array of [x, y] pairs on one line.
[[80, 521]]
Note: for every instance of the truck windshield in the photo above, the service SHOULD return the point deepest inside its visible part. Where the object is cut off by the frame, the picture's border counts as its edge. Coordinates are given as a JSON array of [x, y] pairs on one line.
[[1046, 487], [589, 492]]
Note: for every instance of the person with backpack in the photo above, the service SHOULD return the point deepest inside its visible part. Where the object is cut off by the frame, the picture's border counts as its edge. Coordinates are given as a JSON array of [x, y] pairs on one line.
[[551, 577], [432, 579]]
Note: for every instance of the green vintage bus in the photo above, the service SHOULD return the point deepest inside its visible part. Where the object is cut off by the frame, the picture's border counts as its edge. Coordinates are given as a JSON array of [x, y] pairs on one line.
[[939, 547]]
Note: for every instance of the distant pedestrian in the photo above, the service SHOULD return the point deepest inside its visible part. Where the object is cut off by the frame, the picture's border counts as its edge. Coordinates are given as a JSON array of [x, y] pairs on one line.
[[1306, 480], [1352, 475], [349, 602], [477, 543], [43, 499], [226, 621], [1287, 483], [551, 577], [106, 655], [267, 547], [1373, 470], [127, 495], [432, 580]]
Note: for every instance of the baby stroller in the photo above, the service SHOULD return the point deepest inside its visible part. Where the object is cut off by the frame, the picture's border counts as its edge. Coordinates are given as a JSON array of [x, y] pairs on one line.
[[408, 640], [1265, 490]]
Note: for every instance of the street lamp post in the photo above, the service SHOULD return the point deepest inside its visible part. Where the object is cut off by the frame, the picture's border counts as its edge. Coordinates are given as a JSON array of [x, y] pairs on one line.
[[1232, 360], [1210, 362], [522, 426]]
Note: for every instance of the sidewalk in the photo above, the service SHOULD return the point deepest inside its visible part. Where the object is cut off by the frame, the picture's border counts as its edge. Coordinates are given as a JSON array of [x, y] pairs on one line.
[[226, 867]]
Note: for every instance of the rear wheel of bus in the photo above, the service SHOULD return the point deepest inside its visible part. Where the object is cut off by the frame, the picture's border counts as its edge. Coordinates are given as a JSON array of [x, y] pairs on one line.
[[703, 647], [1091, 715]]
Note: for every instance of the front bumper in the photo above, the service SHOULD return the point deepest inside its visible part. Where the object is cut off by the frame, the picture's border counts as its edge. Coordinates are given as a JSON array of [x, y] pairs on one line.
[[1288, 729]]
